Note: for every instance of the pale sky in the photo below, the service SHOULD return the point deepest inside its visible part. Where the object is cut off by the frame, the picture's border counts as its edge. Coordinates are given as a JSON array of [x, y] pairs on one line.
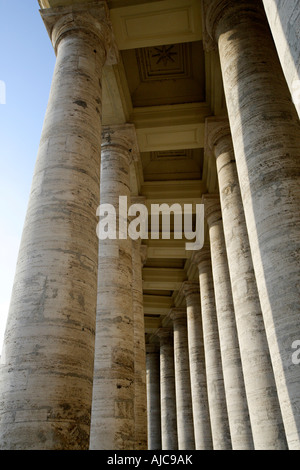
[[26, 67]]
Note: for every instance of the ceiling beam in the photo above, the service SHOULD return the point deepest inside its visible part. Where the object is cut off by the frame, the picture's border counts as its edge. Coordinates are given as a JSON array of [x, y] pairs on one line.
[[176, 137], [163, 278], [157, 304], [157, 23]]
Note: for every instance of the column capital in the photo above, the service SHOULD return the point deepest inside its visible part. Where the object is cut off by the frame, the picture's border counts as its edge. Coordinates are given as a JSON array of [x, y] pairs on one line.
[[165, 335], [217, 132], [213, 11], [212, 208], [190, 288], [164, 332], [152, 348], [177, 313], [123, 135], [88, 18], [202, 257]]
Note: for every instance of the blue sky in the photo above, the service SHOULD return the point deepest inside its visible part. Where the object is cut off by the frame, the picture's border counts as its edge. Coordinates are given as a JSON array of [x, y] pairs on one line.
[[26, 68]]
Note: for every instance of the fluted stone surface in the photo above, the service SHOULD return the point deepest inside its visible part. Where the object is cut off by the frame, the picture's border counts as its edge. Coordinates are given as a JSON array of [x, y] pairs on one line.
[[264, 409], [47, 361], [169, 438], [185, 426], [266, 137], [112, 422], [202, 428], [213, 362]]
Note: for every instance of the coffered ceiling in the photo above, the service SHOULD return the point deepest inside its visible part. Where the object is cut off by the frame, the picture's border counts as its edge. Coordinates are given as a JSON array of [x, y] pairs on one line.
[[165, 75]]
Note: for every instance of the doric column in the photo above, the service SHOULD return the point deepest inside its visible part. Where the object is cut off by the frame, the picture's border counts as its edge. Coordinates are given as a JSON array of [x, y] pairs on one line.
[[112, 423], [202, 428], [185, 426], [238, 414], [264, 410], [47, 361], [266, 138], [153, 396], [139, 254], [169, 438], [213, 362]]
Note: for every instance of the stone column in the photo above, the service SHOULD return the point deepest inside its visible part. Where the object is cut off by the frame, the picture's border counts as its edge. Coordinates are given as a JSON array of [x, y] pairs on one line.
[[185, 426], [47, 361], [266, 138], [202, 428], [213, 362], [238, 414], [140, 395], [112, 422], [283, 17], [169, 438], [264, 410], [153, 397]]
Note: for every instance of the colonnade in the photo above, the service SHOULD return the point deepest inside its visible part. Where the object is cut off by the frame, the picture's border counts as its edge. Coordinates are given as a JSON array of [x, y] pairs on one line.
[[74, 372], [230, 394]]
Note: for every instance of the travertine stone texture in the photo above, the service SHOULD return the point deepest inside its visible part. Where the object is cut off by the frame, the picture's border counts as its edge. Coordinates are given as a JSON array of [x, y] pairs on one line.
[[284, 21], [153, 396], [140, 394], [169, 440], [264, 409], [266, 137], [112, 421], [202, 429], [213, 362], [185, 426], [238, 414], [47, 361]]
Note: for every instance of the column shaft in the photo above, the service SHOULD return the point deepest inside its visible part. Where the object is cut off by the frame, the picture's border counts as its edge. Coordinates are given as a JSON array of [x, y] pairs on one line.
[[266, 138], [238, 414], [153, 397], [202, 428], [264, 409], [167, 391], [213, 362], [47, 361], [185, 427], [112, 423], [283, 17], [140, 395]]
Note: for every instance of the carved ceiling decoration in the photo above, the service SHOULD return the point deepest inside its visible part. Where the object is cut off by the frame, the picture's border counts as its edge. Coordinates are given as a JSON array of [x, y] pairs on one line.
[[164, 62], [165, 74]]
